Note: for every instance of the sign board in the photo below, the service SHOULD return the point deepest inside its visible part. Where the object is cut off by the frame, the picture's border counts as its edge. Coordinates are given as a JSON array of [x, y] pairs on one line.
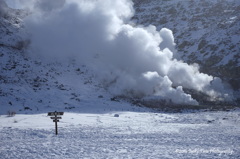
[[55, 118], [55, 113]]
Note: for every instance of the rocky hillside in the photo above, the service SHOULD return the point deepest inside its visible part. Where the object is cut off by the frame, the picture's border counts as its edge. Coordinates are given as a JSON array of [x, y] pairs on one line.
[[206, 32], [29, 84]]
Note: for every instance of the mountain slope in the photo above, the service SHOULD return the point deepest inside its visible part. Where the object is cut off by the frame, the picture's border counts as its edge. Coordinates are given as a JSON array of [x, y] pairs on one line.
[[29, 83], [206, 32], [32, 85]]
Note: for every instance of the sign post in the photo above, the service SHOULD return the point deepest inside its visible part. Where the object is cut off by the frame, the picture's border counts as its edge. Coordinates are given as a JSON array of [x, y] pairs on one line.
[[55, 118]]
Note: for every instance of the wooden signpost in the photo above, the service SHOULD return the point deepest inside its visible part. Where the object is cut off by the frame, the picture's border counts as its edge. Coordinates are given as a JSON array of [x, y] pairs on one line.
[[55, 118]]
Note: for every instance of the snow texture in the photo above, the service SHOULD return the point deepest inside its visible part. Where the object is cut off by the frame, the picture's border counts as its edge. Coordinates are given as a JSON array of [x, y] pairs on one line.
[[134, 134]]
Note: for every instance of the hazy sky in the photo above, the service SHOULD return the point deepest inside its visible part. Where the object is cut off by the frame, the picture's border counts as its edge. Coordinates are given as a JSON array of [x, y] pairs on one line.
[[14, 4]]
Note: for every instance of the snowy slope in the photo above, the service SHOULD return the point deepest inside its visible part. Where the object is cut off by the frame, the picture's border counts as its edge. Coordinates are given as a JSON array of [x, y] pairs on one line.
[[30, 84], [206, 32]]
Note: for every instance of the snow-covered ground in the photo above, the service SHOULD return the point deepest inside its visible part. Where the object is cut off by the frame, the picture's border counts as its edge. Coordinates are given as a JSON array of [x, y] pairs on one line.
[[136, 133]]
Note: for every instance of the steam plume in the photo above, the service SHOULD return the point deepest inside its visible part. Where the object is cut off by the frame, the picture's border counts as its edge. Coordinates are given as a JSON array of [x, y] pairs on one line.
[[131, 60]]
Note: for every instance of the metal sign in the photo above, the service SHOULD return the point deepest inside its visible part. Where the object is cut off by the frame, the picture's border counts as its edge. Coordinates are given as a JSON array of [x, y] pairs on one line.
[[55, 113], [55, 118]]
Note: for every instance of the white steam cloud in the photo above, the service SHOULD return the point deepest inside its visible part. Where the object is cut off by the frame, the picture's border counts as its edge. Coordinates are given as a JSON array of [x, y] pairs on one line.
[[131, 60]]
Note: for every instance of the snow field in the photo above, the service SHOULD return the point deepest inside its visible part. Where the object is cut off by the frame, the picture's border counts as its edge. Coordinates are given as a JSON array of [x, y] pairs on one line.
[[131, 135]]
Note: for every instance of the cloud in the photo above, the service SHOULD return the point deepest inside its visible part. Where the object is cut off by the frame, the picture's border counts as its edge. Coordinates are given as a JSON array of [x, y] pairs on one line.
[[20, 4], [3, 7], [131, 60]]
